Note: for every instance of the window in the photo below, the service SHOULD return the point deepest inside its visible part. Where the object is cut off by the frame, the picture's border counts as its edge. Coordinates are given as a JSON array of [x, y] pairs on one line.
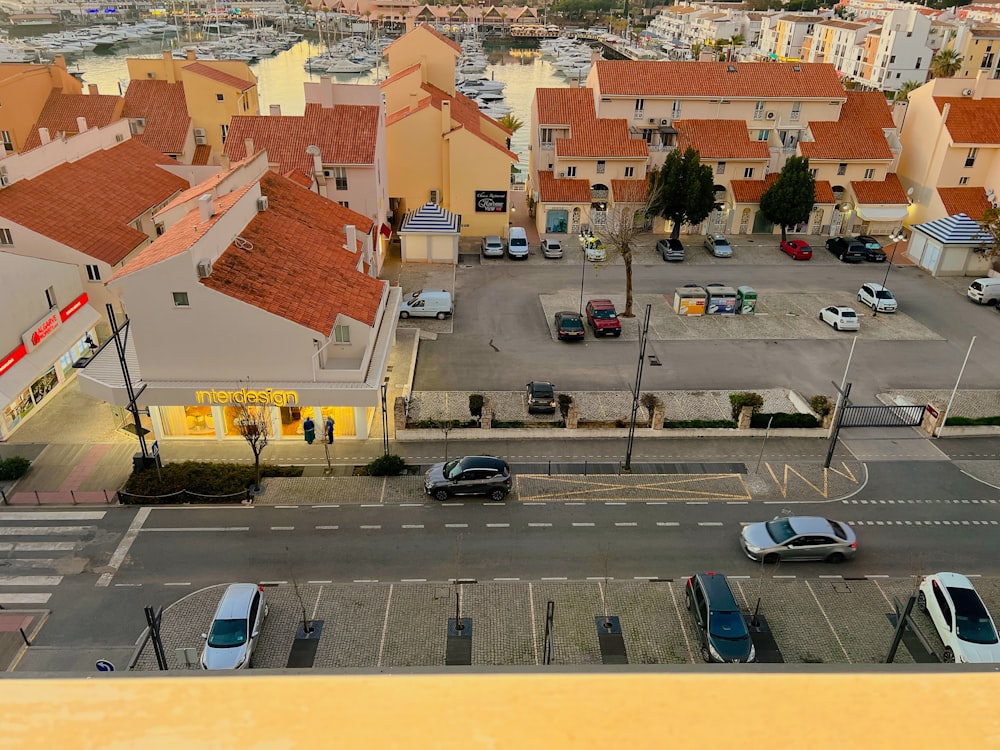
[[917, 66], [181, 299], [763, 135], [813, 173], [7, 143], [963, 180], [796, 106], [601, 166], [640, 104], [340, 178], [345, 204], [546, 135], [720, 168], [970, 159], [220, 97], [571, 171], [892, 59], [869, 174], [841, 169], [758, 112], [50, 297], [675, 110], [630, 171], [225, 132], [748, 173], [93, 273], [987, 60], [5, 238], [342, 334]]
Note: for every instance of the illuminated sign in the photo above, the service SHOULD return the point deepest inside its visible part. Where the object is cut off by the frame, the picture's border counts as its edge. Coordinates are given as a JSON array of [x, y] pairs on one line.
[[269, 397], [11, 359], [73, 307], [42, 329], [491, 201]]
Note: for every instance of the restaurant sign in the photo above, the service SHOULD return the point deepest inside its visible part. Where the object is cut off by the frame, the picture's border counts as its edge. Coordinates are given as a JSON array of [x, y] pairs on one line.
[[491, 201]]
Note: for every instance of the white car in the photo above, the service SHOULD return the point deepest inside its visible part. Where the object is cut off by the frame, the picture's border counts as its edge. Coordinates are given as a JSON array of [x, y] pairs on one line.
[[552, 248], [960, 617], [841, 318], [236, 625], [873, 294], [594, 250]]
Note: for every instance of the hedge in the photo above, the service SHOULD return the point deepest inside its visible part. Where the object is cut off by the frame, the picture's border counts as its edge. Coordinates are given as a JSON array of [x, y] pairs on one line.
[[681, 424], [14, 467], [197, 481], [783, 419], [971, 421]]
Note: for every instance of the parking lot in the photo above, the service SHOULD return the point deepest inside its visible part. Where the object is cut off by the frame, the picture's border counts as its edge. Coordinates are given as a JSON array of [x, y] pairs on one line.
[[825, 620]]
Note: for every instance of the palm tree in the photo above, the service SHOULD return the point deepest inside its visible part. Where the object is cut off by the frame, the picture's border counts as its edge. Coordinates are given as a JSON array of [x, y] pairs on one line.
[[904, 91], [946, 63], [512, 124]]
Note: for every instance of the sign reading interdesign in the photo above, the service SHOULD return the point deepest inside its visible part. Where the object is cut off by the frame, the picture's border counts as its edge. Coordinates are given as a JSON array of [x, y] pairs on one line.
[[491, 201], [269, 397]]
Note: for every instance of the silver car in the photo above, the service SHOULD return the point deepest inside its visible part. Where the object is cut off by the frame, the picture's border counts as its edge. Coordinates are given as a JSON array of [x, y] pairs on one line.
[[552, 248], [230, 642], [492, 246], [718, 246], [799, 538]]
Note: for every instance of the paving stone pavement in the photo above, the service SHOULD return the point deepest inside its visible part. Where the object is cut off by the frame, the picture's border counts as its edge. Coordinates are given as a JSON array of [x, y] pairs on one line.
[[967, 403]]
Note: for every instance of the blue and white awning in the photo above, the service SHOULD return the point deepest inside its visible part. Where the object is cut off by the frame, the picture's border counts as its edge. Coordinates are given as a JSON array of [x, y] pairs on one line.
[[955, 230], [431, 218]]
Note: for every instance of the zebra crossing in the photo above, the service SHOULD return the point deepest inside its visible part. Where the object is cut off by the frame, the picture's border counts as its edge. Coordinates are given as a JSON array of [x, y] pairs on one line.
[[34, 546]]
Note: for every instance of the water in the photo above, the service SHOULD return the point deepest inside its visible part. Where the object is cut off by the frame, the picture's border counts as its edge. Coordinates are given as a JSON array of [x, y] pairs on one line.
[[280, 79]]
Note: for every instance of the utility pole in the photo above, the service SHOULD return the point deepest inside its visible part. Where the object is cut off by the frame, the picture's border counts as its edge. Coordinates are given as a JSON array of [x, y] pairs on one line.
[[643, 337], [837, 418]]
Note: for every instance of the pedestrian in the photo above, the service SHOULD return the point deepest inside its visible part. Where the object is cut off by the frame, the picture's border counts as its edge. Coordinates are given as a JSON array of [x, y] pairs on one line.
[[309, 430], [329, 430]]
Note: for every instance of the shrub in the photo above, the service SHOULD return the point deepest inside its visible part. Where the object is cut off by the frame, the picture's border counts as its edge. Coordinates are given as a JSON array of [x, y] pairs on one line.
[[565, 401], [783, 419], [476, 402], [14, 467], [386, 466], [443, 424], [681, 424], [738, 400], [516, 424], [821, 404], [971, 421], [201, 478]]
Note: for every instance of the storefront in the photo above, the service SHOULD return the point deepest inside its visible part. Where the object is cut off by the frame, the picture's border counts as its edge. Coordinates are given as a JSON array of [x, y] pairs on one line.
[[44, 361]]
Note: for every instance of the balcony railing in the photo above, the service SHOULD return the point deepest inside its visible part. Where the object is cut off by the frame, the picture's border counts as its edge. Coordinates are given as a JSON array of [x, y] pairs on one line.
[[599, 194]]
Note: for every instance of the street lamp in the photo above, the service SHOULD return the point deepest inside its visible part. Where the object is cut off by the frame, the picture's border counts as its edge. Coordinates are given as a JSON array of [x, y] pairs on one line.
[[896, 238], [583, 275]]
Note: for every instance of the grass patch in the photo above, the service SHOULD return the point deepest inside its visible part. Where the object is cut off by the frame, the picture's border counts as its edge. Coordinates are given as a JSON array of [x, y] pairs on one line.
[[971, 421]]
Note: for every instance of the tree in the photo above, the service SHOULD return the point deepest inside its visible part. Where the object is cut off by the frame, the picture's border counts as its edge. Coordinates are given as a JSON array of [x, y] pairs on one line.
[[682, 190], [696, 51], [617, 233], [512, 124], [790, 199], [991, 224], [904, 91], [946, 63], [254, 424]]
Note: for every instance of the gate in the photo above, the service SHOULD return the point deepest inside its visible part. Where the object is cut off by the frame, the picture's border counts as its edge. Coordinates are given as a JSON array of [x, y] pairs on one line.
[[882, 416]]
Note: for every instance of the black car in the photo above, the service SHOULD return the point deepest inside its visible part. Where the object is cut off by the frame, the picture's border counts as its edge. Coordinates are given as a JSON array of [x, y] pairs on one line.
[[541, 397], [670, 249], [873, 248], [721, 628], [471, 475], [847, 250], [569, 326]]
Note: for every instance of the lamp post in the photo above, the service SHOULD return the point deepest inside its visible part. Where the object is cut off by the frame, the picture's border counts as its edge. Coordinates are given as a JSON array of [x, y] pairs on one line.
[[896, 238], [385, 418], [583, 276]]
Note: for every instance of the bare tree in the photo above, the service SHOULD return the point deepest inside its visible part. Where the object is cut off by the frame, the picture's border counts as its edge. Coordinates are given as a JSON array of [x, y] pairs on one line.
[[622, 223], [254, 424]]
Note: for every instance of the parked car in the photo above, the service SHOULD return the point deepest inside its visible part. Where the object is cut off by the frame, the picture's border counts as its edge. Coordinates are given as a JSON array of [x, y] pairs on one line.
[[470, 475], [603, 318], [492, 246], [848, 251], [235, 629], [427, 303], [593, 249], [517, 243], [841, 318], [985, 291], [799, 538], [721, 628], [552, 248], [873, 248], [718, 246], [960, 618], [670, 249], [541, 397], [796, 249], [877, 297], [569, 326]]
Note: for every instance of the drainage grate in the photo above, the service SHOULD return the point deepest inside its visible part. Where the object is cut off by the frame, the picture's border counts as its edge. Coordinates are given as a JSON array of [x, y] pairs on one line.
[[303, 652], [841, 588], [609, 637]]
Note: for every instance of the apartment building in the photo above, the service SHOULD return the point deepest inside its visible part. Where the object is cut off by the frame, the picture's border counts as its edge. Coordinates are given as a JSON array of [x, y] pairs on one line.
[[25, 90], [782, 35], [979, 48]]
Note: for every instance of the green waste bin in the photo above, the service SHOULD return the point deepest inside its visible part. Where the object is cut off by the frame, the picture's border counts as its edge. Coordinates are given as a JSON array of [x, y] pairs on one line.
[[746, 300]]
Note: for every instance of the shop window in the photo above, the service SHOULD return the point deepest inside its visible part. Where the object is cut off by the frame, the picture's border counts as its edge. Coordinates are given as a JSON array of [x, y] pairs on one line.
[[342, 334], [181, 299], [187, 421], [93, 272], [343, 421], [5, 237]]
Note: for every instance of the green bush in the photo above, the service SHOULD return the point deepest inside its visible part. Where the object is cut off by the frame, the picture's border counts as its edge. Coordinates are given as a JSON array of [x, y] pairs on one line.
[[201, 478], [508, 425], [681, 424], [783, 419], [565, 401], [444, 424], [738, 400], [971, 421], [476, 403], [822, 405], [386, 466], [14, 467]]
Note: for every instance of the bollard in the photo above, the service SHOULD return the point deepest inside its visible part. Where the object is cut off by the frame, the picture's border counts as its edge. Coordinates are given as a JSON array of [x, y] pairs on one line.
[[550, 467], [38, 500], [72, 496], [4, 496], [585, 467]]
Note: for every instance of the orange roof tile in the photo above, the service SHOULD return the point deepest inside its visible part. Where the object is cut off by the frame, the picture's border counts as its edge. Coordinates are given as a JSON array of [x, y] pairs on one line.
[[713, 79], [971, 120], [464, 111], [201, 155], [589, 136], [204, 69], [857, 135], [719, 139], [629, 191], [431, 30], [164, 107], [563, 189], [888, 191], [345, 134], [89, 204], [971, 201], [61, 110], [824, 192], [750, 191]]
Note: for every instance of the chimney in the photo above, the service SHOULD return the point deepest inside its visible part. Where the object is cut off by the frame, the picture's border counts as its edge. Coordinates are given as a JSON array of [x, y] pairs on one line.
[[352, 238], [168, 65], [225, 163], [92, 89], [445, 116], [945, 110], [317, 156], [206, 207], [192, 55], [274, 110], [326, 92], [81, 124], [43, 135], [248, 144], [60, 61]]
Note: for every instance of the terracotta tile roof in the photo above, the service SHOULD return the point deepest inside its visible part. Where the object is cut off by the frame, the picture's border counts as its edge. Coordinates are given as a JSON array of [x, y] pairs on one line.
[[165, 109], [61, 110], [629, 191], [562, 190], [401, 74], [824, 192], [713, 79], [88, 204], [299, 230], [204, 69], [971, 201], [202, 154], [889, 191], [434, 32], [345, 135], [300, 178], [589, 136], [857, 135], [719, 139], [971, 120], [464, 111], [750, 191]]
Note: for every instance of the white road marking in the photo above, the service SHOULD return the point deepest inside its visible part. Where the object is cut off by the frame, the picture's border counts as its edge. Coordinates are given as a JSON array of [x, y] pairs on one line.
[[282, 528], [286, 507], [413, 580], [328, 528], [644, 578], [554, 578], [539, 525], [319, 582], [30, 580], [412, 505], [667, 523], [413, 526], [118, 557], [24, 598], [385, 624], [603, 578], [498, 525], [273, 583], [372, 505], [581, 523], [178, 583], [710, 523], [43, 530], [373, 527], [181, 529], [366, 580], [54, 515], [42, 546], [128, 585], [626, 523], [456, 525], [507, 579]]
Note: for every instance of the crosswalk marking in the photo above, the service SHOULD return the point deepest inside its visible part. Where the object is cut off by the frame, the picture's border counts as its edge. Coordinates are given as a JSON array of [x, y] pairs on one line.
[[42, 530], [53, 515], [30, 580], [24, 598], [38, 546]]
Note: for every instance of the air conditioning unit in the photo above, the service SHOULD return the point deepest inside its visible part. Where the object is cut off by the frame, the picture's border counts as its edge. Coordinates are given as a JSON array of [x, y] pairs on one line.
[[328, 173], [966, 92], [204, 269], [769, 115], [562, 174], [652, 120], [140, 122], [200, 137], [664, 121], [262, 203], [435, 196]]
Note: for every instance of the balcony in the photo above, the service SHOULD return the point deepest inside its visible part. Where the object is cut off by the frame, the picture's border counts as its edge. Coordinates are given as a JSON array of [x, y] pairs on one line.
[[599, 194]]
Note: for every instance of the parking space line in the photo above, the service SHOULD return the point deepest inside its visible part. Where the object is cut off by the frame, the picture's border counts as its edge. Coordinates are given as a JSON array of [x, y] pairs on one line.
[[829, 624], [385, 626], [534, 627], [677, 610]]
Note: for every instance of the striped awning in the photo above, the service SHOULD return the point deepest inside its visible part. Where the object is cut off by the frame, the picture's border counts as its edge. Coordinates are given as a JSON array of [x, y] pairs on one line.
[[955, 230], [430, 218]]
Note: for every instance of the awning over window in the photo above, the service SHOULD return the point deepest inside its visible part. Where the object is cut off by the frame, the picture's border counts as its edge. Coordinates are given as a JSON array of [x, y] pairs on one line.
[[882, 213]]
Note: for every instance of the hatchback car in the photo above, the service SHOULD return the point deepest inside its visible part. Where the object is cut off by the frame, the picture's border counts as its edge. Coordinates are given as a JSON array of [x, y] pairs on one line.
[[960, 618], [848, 251], [877, 297], [593, 249], [796, 249], [670, 249], [603, 318], [470, 475], [569, 326], [721, 629], [552, 248], [492, 246], [718, 246], [873, 248], [799, 538], [841, 318], [541, 397], [236, 625]]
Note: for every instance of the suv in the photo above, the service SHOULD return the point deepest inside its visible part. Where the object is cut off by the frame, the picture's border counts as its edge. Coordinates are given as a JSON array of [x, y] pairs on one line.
[[873, 248], [721, 629], [236, 625], [848, 251], [603, 318], [670, 249], [471, 475], [541, 397]]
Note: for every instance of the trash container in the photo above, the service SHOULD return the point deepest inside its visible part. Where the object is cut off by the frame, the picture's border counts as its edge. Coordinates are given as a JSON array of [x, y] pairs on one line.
[[746, 300], [690, 300], [721, 300]]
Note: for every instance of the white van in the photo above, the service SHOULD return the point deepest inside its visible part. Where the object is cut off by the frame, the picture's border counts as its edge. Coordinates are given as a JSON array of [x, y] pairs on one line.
[[427, 303], [517, 243], [984, 291]]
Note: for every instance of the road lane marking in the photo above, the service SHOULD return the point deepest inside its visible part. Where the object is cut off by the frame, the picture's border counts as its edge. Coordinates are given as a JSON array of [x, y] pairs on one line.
[[456, 525], [273, 583], [43, 530], [42, 546], [582, 523], [282, 528], [498, 525], [30, 580], [24, 598], [178, 583], [128, 585], [124, 546], [554, 578], [285, 507], [54, 515], [366, 580], [328, 528], [372, 527], [319, 582], [413, 580], [710, 523], [539, 525], [626, 523], [506, 579], [668, 523], [183, 529], [372, 505], [413, 526]]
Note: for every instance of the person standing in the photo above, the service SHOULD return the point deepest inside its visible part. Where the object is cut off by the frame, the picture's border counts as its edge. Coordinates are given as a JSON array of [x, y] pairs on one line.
[[329, 430], [309, 430]]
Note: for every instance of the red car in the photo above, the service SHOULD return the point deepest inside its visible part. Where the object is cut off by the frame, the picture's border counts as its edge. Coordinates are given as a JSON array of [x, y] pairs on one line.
[[797, 249], [603, 318]]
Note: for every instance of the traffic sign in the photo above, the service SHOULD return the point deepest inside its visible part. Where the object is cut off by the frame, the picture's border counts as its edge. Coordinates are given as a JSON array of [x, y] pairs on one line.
[[156, 449], [103, 665]]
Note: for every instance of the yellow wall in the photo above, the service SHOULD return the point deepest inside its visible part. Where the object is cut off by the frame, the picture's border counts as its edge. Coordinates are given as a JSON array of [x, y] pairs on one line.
[[24, 90], [491, 172], [413, 154], [422, 46]]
